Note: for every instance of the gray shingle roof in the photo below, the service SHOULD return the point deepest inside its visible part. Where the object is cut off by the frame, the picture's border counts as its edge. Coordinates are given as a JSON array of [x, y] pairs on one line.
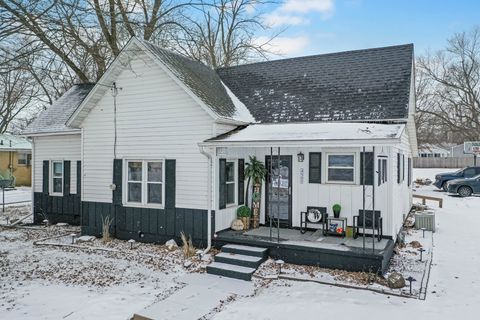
[[54, 118], [202, 81], [371, 84]]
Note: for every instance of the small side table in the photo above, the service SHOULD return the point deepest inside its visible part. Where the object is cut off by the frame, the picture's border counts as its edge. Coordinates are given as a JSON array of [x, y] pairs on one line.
[[328, 232]]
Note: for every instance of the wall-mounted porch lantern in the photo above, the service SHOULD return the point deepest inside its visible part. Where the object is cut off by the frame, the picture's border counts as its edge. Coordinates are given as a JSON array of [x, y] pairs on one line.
[[300, 157]]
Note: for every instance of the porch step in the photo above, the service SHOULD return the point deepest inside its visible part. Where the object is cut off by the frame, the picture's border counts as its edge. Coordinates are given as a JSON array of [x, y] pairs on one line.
[[245, 250], [239, 259], [230, 271]]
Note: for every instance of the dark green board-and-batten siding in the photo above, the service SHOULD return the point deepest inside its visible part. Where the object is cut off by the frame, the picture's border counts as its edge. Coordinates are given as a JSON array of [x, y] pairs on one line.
[[156, 225], [56, 208]]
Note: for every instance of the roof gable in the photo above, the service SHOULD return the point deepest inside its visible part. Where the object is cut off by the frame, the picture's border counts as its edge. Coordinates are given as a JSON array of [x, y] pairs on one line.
[[199, 81], [371, 84]]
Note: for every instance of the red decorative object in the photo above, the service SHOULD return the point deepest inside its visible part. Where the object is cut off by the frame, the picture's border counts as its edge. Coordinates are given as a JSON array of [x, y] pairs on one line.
[[339, 230]]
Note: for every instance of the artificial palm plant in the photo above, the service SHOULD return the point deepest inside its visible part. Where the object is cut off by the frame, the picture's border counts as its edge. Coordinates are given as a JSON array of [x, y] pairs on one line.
[[255, 171]]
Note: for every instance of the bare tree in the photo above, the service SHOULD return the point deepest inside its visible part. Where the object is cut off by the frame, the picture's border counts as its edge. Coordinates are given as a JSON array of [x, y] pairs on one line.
[[224, 33], [452, 99], [17, 92], [87, 35]]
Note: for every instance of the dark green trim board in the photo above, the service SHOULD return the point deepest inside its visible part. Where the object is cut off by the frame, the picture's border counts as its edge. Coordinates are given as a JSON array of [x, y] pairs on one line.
[[222, 192], [66, 177], [170, 183], [399, 166], [241, 181], [156, 225], [117, 181], [56, 209], [79, 177], [45, 176], [368, 158]]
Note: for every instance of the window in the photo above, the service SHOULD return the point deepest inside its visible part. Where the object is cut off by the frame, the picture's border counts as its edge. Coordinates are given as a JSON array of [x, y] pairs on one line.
[[230, 182], [382, 170], [25, 159], [144, 180], [314, 167], [341, 168], [56, 177]]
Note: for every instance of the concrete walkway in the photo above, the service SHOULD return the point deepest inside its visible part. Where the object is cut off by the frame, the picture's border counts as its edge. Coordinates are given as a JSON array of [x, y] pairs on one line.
[[202, 294]]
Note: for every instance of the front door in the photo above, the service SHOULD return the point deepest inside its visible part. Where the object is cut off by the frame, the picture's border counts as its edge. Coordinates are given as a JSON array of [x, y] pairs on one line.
[[279, 200]]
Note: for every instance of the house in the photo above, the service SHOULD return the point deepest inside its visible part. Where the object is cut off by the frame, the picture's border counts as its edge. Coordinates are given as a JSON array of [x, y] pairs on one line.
[[432, 151], [161, 141], [15, 159]]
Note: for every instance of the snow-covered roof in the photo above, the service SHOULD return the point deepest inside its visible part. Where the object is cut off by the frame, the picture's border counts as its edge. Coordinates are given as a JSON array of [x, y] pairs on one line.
[[54, 118], [10, 142], [317, 131]]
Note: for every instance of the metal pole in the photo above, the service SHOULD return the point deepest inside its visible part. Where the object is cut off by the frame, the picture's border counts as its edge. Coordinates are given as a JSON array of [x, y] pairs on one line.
[[363, 187], [270, 187], [3, 202], [278, 196], [373, 199]]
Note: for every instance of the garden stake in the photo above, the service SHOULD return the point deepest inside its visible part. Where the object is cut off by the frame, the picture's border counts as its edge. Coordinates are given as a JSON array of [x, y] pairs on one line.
[[423, 230], [421, 253], [410, 279], [73, 237]]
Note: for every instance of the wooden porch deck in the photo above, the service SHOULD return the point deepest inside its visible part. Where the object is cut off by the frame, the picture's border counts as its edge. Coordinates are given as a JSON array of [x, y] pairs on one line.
[[313, 248]]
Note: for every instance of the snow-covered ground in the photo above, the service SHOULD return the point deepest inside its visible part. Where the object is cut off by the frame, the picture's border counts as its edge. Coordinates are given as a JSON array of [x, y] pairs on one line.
[[47, 282], [17, 195], [453, 291]]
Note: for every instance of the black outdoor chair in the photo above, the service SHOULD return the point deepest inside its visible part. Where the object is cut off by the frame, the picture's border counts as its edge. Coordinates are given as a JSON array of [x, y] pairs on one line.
[[358, 223], [304, 218]]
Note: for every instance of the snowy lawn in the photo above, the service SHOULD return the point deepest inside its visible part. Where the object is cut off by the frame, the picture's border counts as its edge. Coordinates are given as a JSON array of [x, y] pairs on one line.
[[17, 195], [453, 291], [50, 282]]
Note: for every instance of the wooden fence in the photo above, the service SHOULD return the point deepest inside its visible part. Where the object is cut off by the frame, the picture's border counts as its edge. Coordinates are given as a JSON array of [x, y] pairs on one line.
[[449, 162]]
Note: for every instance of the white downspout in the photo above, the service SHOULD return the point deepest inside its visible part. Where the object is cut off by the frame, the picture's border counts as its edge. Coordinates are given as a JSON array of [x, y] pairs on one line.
[[209, 199]]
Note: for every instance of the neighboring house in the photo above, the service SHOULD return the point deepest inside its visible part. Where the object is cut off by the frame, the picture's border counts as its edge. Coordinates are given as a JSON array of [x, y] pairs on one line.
[[160, 142], [432, 151], [15, 159], [458, 151]]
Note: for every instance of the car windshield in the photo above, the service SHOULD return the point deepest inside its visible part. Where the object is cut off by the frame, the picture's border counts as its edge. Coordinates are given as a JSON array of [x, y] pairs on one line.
[[460, 170]]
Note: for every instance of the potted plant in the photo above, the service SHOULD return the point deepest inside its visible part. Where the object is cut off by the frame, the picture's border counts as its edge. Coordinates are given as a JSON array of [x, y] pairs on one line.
[[255, 171], [336, 210], [244, 213]]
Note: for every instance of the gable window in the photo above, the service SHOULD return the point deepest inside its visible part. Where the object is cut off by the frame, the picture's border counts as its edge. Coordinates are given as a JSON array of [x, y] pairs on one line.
[[56, 177], [25, 159], [314, 167], [144, 181], [230, 182], [341, 168]]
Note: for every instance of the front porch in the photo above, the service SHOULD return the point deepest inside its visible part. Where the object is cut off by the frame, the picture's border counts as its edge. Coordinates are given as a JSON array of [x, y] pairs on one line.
[[313, 248]]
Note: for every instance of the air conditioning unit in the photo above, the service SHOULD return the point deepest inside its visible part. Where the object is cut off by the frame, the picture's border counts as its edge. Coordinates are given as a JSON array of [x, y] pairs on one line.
[[425, 219]]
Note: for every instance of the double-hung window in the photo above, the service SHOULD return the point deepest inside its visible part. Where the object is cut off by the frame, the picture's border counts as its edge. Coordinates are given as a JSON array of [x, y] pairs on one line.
[[24, 159], [341, 168], [230, 182], [56, 177], [144, 183]]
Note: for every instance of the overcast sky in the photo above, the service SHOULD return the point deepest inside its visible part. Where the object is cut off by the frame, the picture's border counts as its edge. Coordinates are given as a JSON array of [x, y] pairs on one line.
[[321, 26]]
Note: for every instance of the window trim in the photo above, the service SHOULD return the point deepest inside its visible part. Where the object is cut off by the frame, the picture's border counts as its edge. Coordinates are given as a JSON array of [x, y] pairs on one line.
[[144, 184], [327, 167], [234, 182], [51, 177]]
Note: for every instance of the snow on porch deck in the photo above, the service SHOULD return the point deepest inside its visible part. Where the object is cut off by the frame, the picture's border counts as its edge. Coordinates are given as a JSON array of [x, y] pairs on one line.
[[312, 132], [313, 239]]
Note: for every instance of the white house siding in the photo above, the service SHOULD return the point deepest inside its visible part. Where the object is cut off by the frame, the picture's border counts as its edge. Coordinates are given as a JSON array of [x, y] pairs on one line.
[[156, 119], [304, 194], [401, 193], [56, 147]]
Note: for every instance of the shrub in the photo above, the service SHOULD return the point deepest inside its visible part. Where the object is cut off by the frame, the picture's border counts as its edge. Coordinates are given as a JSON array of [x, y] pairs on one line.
[[336, 208], [244, 211]]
